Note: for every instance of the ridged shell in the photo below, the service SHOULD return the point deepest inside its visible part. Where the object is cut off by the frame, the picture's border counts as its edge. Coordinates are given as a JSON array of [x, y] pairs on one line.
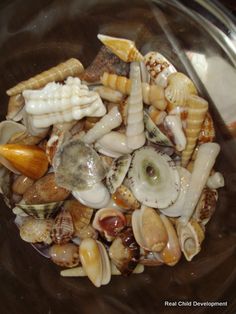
[[65, 255], [197, 109], [158, 67], [125, 199], [63, 228], [125, 49], [117, 172], [36, 230], [109, 94], [15, 105], [149, 230], [178, 90], [28, 160], [41, 211], [190, 236], [207, 133], [81, 215], [58, 73], [124, 252]]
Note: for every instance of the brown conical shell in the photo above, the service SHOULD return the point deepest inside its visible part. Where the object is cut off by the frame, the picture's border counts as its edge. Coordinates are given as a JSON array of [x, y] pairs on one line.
[[63, 228]]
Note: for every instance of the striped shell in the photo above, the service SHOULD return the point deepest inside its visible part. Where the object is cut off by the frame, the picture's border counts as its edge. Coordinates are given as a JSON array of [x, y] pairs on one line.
[[63, 228], [71, 67], [41, 211]]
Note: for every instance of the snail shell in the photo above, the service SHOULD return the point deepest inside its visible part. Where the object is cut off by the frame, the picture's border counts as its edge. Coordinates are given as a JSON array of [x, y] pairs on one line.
[[36, 230], [63, 228], [124, 198]]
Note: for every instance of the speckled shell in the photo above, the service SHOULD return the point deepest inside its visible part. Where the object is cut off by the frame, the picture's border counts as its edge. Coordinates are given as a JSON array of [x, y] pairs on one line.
[[65, 255], [36, 230], [63, 228], [58, 73], [124, 198], [207, 133]]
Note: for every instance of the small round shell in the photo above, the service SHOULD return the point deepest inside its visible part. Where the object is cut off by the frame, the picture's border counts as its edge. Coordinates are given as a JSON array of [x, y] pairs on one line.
[[65, 255], [36, 230]]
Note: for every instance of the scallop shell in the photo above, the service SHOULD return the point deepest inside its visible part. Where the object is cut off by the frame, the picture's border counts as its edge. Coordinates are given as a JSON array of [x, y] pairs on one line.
[[158, 67], [207, 133], [125, 49], [179, 88], [36, 230], [81, 215], [117, 172], [15, 106], [27, 159], [206, 206], [190, 236], [124, 252], [41, 211], [149, 230], [125, 199], [65, 255], [197, 109], [154, 179], [71, 67]]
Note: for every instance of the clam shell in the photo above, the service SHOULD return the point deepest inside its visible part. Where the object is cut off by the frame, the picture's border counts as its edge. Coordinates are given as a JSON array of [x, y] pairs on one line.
[[63, 228], [190, 236], [149, 230], [125, 49], [36, 230], [117, 172], [125, 199], [106, 266], [41, 211], [65, 255]]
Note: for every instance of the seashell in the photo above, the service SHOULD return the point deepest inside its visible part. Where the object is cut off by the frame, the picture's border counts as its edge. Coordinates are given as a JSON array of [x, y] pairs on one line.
[[36, 230], [124, 252], [174, 125], [113, 144], [65, 255], [24, 138], [203, 165], [109, 94], [159, 68], [207, 132], [149, 230], [171, 253], [15, 106], [156, 115], [45, 190], [179, 88], [95, 197], [125, 199], [117, 172], [31, 129], [135, 126], [71, 67], [152, 94], [95, 261], [30, 161], [154, 134], [87, 232], [63, 228], [81, 215], [5, 185], [215, 181], [41, 211], [148, 258], [109, 221], [154, 179], [176, 209], [145, 76], [123, 109], [107, 162], [108, 122], [90, 122], [125, 49], [105, 61], [206, 206], [197, 109], [77, 166], [190, 236], [58, 103]]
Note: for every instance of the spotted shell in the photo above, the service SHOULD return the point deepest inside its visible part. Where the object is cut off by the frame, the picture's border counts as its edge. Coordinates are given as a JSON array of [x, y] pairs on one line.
[[65, 255]]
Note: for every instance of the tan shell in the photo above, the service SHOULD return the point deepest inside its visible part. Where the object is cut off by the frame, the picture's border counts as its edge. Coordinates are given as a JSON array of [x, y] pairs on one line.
[[171, 253], [125, 49], [156, 115], [125, 199], [207, 133], [149, 230], [123, 108], [25, 138], [197, 109], [81, 215], [65, 255], [90, 122], [71, 67], [63, 228], [87, 232], [15, 105], [190, 236], [178, 90], [109, 94], [21, 184], [45, 190], [36, 230]]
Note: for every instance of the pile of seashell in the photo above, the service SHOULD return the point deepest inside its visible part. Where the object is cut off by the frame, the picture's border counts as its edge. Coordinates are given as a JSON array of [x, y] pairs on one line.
[[110, 168]]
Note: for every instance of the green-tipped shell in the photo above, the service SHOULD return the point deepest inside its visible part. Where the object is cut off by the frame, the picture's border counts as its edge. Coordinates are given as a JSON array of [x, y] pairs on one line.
[[153, 133], [40, 211], [117, 172]]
